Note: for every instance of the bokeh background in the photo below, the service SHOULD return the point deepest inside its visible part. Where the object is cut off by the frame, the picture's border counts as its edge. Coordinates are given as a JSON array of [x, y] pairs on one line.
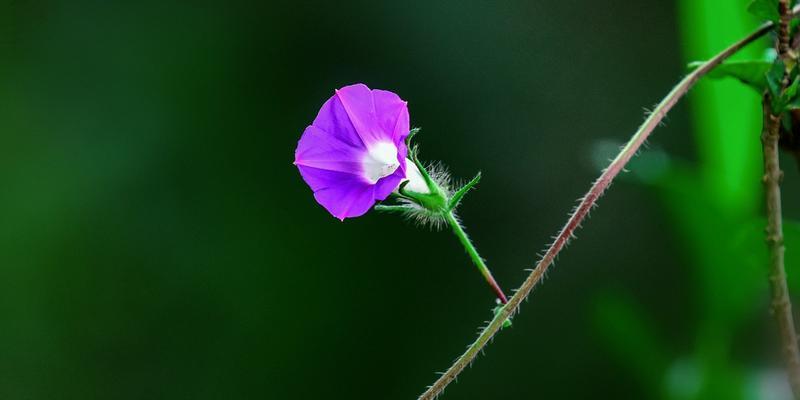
[[157, 242]]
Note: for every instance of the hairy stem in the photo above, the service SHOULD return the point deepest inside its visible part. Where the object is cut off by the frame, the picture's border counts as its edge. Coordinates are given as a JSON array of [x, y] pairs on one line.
[[781, 305], [458, 230], [585, 205]]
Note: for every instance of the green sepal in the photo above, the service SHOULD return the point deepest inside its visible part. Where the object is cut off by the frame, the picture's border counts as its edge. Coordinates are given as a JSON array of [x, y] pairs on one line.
[[459, 194], [413, 150], [765, 9], [432, 186], [413, 154], [392, 208], [436, 200], [433, 201], [750, 72], [411, 135]]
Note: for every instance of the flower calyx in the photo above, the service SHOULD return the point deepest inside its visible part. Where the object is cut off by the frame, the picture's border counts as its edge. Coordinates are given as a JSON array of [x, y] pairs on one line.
[[423, 191]]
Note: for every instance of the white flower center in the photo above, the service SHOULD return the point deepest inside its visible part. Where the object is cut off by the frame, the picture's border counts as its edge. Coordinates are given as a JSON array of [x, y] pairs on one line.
[[380, 161]]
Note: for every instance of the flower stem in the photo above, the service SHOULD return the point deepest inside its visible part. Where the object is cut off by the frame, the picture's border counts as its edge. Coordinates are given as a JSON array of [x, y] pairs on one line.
[[586, 204], [458, 230]]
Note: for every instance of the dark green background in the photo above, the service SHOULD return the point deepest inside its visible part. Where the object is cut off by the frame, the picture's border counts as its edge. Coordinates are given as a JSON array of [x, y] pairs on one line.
[[157, 242]]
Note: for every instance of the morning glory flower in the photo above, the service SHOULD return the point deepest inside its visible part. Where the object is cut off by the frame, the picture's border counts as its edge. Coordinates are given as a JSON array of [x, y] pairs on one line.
[[354, 153]]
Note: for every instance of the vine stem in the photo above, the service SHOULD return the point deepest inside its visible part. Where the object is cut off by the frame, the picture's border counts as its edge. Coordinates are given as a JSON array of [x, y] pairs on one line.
[[784, 42], [458, 230], [583, 208], [781, 305], [770, 137]]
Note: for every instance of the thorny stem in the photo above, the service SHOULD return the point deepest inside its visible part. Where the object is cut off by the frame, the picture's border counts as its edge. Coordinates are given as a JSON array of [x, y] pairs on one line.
[[585, 205], [473, 254], [781, 305], [770, 137]]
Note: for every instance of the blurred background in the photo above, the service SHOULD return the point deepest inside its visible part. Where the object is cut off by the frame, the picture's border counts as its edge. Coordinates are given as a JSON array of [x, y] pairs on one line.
[[157, 242]]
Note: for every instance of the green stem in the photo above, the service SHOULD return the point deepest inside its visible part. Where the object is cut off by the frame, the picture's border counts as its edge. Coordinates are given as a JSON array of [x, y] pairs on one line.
[[458, 230]]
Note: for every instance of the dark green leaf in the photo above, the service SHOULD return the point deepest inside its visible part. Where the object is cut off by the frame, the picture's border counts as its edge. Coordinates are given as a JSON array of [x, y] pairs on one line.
[[775, 77], [790, 95], [764, 9], [786, 99], [792, 105], [750, 72], [791, 91]]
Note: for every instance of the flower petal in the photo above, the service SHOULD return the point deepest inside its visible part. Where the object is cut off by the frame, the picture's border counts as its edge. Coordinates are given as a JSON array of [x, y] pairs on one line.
[[392, 114], [344, 195], [386, 185], [359, 103], [319, 149], [333, 119]]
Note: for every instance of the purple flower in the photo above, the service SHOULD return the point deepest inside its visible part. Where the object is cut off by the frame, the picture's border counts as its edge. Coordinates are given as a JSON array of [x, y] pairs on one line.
[[354, 153]]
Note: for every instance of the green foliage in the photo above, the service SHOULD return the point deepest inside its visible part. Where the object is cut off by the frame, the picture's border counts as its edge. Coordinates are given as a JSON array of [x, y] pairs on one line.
[[783, 99], [630, 334], [775, 77], [764, 9], [762, 75], [752, 73]]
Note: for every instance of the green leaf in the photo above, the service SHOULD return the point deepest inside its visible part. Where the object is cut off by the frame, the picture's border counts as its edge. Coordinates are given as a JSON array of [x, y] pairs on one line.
[[775, 77], [789, 96], [791, 91], [750, 72], [764, 9], [792, 105]]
